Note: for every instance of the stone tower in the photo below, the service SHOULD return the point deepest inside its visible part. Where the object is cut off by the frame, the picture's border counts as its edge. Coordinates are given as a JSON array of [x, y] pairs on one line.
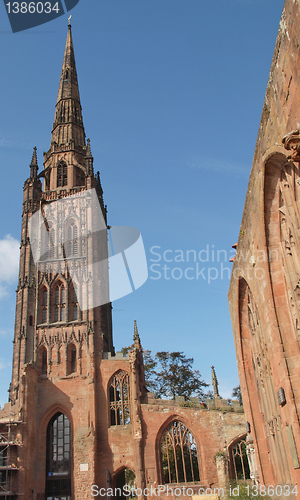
[[79, 415], [46, 299], [56, 339]]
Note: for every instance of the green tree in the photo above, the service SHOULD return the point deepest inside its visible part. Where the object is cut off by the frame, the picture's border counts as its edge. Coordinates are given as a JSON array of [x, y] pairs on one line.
[[176, 376], [170, 374], [237, 394]]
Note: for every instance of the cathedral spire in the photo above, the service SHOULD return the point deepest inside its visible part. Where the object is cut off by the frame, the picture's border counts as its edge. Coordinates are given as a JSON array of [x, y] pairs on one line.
[[34, 165], [68, 126]]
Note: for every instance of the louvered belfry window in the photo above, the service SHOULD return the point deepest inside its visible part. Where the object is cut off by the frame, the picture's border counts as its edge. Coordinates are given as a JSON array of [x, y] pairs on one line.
[[62, 175]]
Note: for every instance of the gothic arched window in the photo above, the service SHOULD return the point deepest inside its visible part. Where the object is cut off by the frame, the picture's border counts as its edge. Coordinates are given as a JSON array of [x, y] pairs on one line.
[[239, 464], [62, 175], [72, 239], [44, 305], [119, 399], [58, 457], [48, 241], [51, 244], [60, 303], [73, 304], [179, 455], [44, 361], [72, 359]]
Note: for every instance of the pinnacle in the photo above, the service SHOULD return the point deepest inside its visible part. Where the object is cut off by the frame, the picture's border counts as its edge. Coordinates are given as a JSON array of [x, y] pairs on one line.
[[136, 336], [68, 123], [34, 157], [215, 382], [88, 149]]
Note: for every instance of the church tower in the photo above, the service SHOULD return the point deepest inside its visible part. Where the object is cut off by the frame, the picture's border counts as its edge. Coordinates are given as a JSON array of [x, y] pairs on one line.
[[61, 332], [48, 309], [80, 422]]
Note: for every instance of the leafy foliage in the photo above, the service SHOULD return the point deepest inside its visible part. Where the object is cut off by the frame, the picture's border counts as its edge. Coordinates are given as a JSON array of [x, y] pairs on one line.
[[170, 374], [236, 393]]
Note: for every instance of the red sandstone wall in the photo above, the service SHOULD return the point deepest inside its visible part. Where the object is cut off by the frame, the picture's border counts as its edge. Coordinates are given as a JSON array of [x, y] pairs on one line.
[[281, 115]]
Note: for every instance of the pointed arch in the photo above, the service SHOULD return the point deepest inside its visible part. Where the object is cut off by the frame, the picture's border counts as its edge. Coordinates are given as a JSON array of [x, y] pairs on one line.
[[59, 294], [282, 220], [62, 175], [42, 360], [48, 244], [72, 240], [255, 358], [178, 452], [44, 304], [119, 398], [238, 461], [58, 456], [71, 359]]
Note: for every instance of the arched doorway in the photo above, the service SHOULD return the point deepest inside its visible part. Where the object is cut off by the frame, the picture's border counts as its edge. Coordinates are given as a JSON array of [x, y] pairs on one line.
[[125, 484], [58, 458]]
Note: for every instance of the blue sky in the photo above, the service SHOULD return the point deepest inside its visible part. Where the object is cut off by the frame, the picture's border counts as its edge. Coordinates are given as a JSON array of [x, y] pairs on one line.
[[172, 94]]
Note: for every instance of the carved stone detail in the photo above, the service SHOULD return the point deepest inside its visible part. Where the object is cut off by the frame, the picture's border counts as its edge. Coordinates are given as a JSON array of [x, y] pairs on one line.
[[291, 142]]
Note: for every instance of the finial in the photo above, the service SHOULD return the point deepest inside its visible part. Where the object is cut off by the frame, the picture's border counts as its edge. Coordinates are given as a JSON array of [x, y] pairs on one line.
[[34, 157], [34, 165], [69, 21], [88, 148], [136, 337], [215, 382]]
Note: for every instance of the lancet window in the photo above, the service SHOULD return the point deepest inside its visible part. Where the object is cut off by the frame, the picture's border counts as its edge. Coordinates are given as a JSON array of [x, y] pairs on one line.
[[72, 239], [119, 399], [44, 361], [60, 303], [58, 457], [72, 359], [44, 305], [179, 455], [74, 305], [62, 175]]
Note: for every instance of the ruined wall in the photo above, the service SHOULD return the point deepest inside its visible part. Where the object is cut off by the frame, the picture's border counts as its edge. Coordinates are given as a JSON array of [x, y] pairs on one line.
[[263, 288]]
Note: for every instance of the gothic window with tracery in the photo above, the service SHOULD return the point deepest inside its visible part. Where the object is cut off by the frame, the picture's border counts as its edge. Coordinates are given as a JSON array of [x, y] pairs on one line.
[[179, 455], [239, 464], [62, 175], [58, 457], [119, 399], [60, 303], [290, 243]]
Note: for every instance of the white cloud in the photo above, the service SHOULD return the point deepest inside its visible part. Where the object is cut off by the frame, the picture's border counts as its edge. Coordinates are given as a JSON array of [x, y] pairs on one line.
[[9, 262], [5, 333], [4, 365], [220, 166]]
